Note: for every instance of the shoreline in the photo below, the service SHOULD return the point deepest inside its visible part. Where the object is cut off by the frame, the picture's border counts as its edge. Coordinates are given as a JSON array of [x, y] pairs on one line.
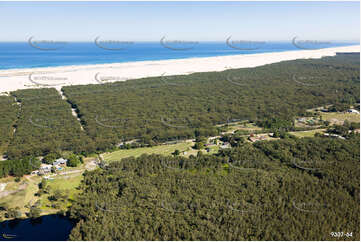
[[15, 79]]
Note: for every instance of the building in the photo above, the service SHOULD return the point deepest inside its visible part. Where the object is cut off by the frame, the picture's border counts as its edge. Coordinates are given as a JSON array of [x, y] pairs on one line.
[[257, 138], [333, 135], [45, 168], [60, 161], [353, 111], [57, 167], [36, 172]]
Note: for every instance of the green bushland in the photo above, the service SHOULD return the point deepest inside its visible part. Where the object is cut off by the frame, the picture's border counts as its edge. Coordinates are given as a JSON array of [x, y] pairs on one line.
[[46, 125], [8, 116], [158, 109], [291, 189]]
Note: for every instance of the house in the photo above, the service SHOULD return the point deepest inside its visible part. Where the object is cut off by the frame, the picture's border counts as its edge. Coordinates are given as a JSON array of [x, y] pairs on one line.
[[225, 145], [36, 172], [57, 167], [45, 168], [301, 120], [256, 138], [60, 161], [333, 135], [353, 111]]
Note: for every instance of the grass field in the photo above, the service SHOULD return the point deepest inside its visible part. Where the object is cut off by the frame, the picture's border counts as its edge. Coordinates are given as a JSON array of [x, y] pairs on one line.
[[161, 150], [308, 133], [24, 195], [67, 184], [340, 117]]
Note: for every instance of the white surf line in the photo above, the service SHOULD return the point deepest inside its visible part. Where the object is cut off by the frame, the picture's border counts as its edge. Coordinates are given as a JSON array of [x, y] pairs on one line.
[[73, 110]]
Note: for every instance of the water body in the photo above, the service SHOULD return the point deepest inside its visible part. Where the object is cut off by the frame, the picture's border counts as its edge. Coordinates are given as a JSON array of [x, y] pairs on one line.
[[49, 227], [15, 55]]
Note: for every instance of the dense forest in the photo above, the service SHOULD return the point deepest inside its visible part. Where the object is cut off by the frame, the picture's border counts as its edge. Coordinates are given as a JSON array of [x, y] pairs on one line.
[[290, 189], [158, 109], [164, 108], [45, 125], [8, 117]]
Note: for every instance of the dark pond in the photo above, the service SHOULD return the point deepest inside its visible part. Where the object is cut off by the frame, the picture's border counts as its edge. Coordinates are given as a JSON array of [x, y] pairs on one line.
[[49, 227]]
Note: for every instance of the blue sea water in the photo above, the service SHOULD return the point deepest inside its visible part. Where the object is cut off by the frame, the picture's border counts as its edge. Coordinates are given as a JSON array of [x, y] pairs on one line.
[[15, 55]]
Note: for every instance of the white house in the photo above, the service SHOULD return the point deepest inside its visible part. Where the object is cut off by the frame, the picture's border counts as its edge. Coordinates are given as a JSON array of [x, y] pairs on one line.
[[353, 111], [60, 161], [45, 168]]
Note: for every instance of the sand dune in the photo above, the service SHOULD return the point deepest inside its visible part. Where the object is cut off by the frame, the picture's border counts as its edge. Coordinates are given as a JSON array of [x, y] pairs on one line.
[[11, 80]]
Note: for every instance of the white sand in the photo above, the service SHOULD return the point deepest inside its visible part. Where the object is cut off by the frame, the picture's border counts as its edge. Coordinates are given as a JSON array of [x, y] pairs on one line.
[[11, 80]]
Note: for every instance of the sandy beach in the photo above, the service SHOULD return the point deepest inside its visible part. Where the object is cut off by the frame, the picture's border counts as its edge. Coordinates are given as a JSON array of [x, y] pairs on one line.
[[11, 80]]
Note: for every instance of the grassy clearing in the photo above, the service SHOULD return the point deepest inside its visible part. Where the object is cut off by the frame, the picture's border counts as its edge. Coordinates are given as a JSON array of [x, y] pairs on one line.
[[341, 117], [24, 192], [67, 185], [308, 133], [161, 150]]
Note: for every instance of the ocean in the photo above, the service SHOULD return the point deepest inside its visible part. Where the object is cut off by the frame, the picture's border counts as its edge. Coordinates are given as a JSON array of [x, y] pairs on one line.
[[33, 54]]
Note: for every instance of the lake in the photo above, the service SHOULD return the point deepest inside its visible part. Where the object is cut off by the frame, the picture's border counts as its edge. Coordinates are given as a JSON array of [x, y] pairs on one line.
[[49, 227]]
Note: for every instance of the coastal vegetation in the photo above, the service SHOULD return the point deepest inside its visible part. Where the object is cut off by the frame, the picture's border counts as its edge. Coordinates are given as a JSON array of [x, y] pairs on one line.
[[159, 109], [290, 189], [232, 155]]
